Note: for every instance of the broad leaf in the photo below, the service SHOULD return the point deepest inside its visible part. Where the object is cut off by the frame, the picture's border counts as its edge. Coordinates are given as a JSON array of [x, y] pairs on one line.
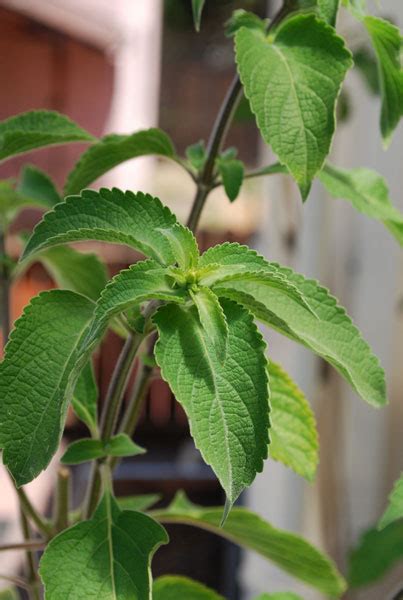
[[87, 449], [175, 587], [107, 558], [279, 596], [113, 150], [142, 281], [110, 216], [292, 80], [387, 43], [212, 319], [36, 184], [376, 553], [36, 129], [394, 510], [245, 528], [368, 193], [294, 438], [244, 18], [36, 380], [140, 502], [85, 397], [326, 330], [77, 271], [232, 172], [197, 8], [227, 404]]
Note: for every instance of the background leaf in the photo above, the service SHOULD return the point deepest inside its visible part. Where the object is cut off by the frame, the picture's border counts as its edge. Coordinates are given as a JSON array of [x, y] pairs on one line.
[[85, 398], [226, 404], [38, 128], [288, 551], [37, 184], [300, 72], [87, 449], [232, 172], [34, 396], [294, 437], [107, 557], [175, 587], [394, 510], [197, 8], [140, 502], [368, 193], [279, 596], [112, 150]]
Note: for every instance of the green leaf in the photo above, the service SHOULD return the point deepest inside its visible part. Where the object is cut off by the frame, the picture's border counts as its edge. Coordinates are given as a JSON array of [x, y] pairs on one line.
[[294, 438], [394, 510], [85, 397], [77, 271], [139, 502], [279, 596], [368, 193], [232, 172], [87, 449], [110, 216], [387, 43], [366, 64], [197, 9], [326, 329], [196, 155], [36, 380], [38, 128], [227, 404], [183, 245], [36, 184], [11, 203], [112, 150], [212, 319], [245, 528], [328, 10], [244, 18], [375, 554], [107, 557], [174, 587], [145, 280], [292, 80]]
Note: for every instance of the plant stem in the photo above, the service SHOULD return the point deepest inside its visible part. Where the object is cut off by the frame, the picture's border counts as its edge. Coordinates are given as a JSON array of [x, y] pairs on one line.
[[4, 290], [18, 581], [61, 507], [34, 584], [28, 544], [33, 514]]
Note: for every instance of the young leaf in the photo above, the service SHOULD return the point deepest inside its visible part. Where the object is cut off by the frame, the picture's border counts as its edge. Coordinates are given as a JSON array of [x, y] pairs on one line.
[[375, 554], [107, 557], [326, 330], [72, 270], [36, 129], [112, 150], [36, 184], [328, 10], [85, 397], [196, 155], [279, 596], [245, 528], [227, 404], [232, 172], [140, 502], [394, 510], [368, 193], [294, 438], [175, 587], [36, 380], [292, 83], [212, 319], [183, 244], [387, 43], [110, 216], [197, 8], [87, 449], [244, 18]]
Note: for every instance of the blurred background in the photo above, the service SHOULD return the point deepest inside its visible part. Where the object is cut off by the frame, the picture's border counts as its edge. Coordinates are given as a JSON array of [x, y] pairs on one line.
[[128, 65]]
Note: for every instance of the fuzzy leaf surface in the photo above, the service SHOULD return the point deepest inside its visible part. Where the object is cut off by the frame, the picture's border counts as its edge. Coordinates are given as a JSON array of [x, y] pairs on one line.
[[327, 330], [290, 552], [232, 172], [183, 244], [328, 10], [212, 319], [173, 587], [387, 43], [244, 18], [394, 511], [368, 193], [38, 128], [110, 216], [34, 396], [107, 557], [294, 437], [292, 80], [112, 150], [375, 554], [226, 403], [37, 184]]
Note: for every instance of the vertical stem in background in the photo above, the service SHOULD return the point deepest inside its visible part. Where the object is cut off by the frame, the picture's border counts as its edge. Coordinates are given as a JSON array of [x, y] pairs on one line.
[[61, 506], [34, 584], [4, 290]]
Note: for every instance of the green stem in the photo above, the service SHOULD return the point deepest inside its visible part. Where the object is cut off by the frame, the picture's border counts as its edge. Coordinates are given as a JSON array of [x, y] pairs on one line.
[[34, 583], [28, 544], [61, 506], [18, 581], [33, 514]]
